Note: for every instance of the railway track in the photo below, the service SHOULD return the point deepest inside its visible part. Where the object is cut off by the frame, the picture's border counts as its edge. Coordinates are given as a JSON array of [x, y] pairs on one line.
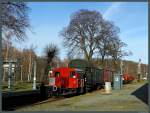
[[52, 99]]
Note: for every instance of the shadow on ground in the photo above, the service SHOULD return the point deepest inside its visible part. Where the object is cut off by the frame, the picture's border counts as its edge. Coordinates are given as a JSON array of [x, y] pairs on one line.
[[11, 103], [142, 93]]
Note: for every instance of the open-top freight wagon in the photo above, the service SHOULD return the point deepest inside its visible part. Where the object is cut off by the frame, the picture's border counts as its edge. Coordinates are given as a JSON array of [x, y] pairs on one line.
[[79, 77]]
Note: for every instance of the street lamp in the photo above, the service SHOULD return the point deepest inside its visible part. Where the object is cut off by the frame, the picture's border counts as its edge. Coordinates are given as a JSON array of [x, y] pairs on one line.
[[10, 65], [121, 65]]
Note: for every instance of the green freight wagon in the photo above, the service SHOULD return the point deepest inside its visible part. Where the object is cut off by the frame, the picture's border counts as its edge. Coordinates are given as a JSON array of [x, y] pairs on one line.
[[93, 75]]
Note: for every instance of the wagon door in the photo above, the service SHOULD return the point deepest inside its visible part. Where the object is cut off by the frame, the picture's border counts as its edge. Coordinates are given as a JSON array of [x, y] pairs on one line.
[[73, 80], [57, 75]]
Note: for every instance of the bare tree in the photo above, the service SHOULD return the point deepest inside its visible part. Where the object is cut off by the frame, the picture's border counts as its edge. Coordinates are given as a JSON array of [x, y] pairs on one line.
[[116, 52], [88, 33], [31, 60], [51, 52], [14, 18], [14, 22], [109, 33], [81, 33], [28, 58]]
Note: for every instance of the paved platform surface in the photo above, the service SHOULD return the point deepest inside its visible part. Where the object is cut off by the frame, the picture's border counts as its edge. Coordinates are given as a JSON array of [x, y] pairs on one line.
[[132, 97]]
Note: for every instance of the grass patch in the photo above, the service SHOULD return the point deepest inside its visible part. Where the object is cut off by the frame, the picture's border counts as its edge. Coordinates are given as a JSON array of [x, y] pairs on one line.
[[18, 86]]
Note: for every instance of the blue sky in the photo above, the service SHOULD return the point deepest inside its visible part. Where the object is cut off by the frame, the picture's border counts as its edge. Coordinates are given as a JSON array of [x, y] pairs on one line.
[[48, 18]]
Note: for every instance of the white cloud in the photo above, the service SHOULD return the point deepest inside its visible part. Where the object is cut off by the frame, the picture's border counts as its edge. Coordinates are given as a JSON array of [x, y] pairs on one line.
[[114, 8], [134, 31]]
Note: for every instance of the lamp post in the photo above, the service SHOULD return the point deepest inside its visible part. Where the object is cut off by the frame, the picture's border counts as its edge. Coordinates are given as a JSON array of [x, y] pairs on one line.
[[34, 78], [21, 73]]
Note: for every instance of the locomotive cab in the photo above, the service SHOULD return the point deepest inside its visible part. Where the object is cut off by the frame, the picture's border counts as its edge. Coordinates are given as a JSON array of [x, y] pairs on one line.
[[64, 80]]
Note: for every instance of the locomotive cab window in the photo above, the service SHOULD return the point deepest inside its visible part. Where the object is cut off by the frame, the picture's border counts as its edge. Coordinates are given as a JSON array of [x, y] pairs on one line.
[[72, 74], [57, 74]]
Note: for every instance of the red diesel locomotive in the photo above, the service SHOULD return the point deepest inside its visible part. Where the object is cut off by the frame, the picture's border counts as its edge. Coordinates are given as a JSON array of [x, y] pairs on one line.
[[64, 81]]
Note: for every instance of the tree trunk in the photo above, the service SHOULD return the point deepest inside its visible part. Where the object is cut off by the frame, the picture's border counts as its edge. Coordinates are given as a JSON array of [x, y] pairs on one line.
[[103, 63], [6, 58], [115, 65]]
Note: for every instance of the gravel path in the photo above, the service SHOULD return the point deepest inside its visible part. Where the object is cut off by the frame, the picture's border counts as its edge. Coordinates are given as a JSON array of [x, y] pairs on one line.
[[118, 100]]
